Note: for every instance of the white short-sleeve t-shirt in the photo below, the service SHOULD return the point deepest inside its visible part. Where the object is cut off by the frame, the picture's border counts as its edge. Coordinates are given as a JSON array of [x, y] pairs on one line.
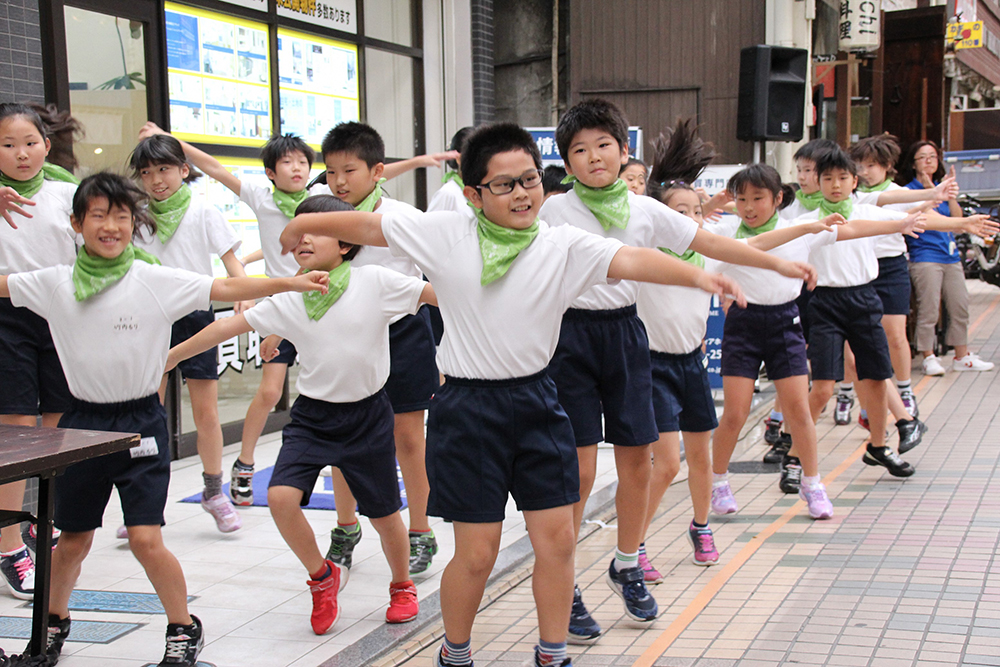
[[675, 317], [769, 288], [509, 328], [892, 245], [850, 263], [202, 232], [651, 225], [270, 222], [797, 210], [46, 238], [451, 198], [113, 346], [344, 356]]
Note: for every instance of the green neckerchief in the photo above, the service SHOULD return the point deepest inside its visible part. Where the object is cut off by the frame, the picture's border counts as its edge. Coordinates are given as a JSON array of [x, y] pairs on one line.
[[453, 176], [92, 275], [287, 202], [881, 187], [28, 188], [500, 246], [318, 303], [745, 231], [54, 172], [608, 204], [811, 202], [842, 207], [689, 256], [169, 212], [368, 203]]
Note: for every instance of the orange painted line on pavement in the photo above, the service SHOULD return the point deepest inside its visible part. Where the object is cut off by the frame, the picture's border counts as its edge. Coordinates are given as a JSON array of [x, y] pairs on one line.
[[989, 309], [691, 612]]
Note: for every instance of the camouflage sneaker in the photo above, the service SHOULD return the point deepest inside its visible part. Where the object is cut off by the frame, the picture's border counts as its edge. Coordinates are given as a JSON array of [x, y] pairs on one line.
[[423, 548], [342, 543]]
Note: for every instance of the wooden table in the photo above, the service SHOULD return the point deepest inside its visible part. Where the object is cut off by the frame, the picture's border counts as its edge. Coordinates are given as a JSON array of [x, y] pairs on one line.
[[45, 453]]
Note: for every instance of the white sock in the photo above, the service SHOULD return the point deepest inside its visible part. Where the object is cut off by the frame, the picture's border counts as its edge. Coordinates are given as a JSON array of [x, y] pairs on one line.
[[624, 560], [718, 479], [810, 482]]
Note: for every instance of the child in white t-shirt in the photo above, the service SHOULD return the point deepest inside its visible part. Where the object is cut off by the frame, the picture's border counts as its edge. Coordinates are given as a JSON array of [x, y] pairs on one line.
[[110, 318], [342, 416]]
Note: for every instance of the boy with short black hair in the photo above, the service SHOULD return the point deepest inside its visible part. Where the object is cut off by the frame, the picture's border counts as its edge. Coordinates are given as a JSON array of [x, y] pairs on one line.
[[496, 427], [354, 154], [845, 306], [602, 363]]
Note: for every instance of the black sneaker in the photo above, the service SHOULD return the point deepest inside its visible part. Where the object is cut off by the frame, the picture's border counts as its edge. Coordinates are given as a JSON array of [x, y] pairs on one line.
[[630, 585], [791, 475], [778, 449], [241, 484], [911, 432], [772, 430], [184, 643], [342, 545], [30, 536], [18, 570], [58, 631], [889, 460], [583, 629], [423, 547]]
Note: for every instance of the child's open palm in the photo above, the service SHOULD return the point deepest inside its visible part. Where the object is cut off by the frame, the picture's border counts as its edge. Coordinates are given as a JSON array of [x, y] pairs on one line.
[[11, 201]]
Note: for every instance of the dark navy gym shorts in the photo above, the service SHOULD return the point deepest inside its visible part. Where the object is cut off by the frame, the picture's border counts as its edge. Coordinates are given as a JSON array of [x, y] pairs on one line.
[[853, 314], [31, 378], [682, 396], [203, 366], [769, 334], [413, 373]]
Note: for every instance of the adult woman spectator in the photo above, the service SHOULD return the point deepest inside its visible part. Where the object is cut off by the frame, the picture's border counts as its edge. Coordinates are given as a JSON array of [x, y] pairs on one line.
[[936, 270]]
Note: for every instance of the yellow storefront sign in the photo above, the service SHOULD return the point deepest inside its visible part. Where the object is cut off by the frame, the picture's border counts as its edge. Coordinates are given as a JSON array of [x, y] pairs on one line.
[[966, 35]]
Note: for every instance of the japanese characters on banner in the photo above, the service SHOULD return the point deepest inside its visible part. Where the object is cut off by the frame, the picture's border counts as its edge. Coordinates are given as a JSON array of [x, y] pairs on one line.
[[230, 354], [714, 178], [545, 139], [335, 14], [858, 24]]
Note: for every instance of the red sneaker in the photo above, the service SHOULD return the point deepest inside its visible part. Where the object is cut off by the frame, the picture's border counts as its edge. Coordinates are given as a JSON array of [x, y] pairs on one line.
[[325, 610], [403, 605]]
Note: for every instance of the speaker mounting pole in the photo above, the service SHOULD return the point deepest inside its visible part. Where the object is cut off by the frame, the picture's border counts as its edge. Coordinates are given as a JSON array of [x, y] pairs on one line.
[[757, 151]]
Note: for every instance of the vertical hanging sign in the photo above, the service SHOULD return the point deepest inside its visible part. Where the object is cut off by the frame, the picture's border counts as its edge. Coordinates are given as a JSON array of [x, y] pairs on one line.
[[859, 26]]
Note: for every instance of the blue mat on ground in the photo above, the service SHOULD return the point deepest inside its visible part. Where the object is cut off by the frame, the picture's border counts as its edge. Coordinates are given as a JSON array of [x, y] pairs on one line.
[[92, 632], [321, 499], [115, 601]]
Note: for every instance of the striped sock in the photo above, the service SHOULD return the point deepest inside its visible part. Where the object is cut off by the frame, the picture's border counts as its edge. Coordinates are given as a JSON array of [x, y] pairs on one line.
[[624, 561], [549, 654], [456, 654]]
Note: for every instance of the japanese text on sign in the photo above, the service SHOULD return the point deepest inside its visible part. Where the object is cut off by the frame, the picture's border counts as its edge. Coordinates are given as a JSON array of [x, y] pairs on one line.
[[336, 14], [858, 25]]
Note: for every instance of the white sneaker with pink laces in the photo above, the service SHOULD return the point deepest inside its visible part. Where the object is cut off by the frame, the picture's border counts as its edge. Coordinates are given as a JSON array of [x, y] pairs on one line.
[[221, 508]]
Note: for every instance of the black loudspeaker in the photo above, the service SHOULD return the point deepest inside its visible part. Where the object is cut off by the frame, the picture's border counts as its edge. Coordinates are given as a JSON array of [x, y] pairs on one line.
[[772, 93]]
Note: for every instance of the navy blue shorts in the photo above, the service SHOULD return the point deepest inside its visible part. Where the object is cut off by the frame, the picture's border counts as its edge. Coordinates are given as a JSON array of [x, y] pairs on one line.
[[413, 373], [202, 366], [802, 301], [31, 377], [488, 438], [682, 396], [768, 334], [893, 285], [286, 354], [355, 437], [601, 365], [853, 314], [83, 491], [437, 324]]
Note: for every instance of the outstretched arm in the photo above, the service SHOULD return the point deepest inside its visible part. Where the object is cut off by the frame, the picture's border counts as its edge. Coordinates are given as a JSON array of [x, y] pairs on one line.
[[247, 289], [773, 239], [652, 266], [943, 191], [732, 251], [394, 169], [356, 227], [255, 256], [215, 333], [980, 224], [911, 225], [199, 158]]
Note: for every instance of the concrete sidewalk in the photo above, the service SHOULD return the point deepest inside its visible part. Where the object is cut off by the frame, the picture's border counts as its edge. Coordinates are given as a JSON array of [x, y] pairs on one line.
[[904, 574]]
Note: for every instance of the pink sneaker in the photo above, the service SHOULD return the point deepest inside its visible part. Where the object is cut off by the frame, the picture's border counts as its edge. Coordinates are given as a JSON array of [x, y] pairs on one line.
[[703, 541], [222, 510], [723, 501], [122, 532], [650, 573], [815, 496]]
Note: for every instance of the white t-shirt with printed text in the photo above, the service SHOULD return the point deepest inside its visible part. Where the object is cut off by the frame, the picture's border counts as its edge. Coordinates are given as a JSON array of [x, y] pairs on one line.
[[509, 328], [113, 346]]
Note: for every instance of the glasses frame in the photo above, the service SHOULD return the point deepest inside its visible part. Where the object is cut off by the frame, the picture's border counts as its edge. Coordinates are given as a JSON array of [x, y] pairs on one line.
[[513, 182]]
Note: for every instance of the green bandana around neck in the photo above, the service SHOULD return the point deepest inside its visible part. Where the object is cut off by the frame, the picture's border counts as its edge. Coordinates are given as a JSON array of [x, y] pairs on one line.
[[92, 275], [842, 207], [368, 203], [287, 202], [54, 172], [689, 256], [169, 212], [745, 231], [318, 303], [881, 187], [28, 188], [608, 204], [453, 176], [811, 202], [500, 246]]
